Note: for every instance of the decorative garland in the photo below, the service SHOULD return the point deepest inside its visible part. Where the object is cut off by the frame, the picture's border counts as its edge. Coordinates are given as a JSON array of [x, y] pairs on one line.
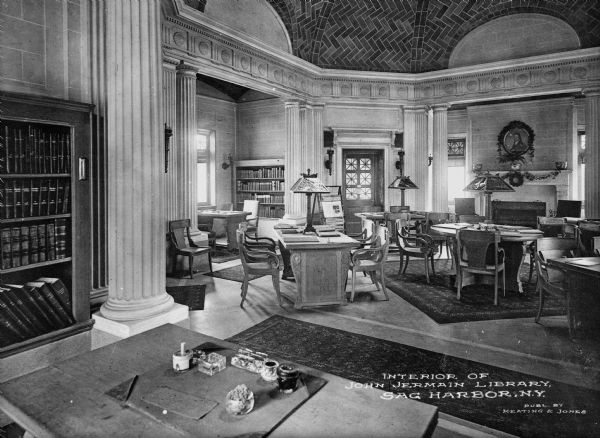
[[520, 130], [516, 178]]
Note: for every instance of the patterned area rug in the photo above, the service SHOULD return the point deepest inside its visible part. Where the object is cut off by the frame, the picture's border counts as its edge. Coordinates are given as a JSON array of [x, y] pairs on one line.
[[191, 296], [222, 255], [234, 273], [517, 403], [438, 299]]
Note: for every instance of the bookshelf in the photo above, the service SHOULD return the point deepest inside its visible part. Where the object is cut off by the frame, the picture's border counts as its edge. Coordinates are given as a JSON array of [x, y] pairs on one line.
[[44, 218], [264, 181]]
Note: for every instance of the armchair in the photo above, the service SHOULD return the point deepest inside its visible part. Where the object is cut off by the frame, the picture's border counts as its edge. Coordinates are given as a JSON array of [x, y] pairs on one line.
[[257, 262], [478, 253], [414, 245], [586, 231], [551, 227], [371, 260], [252, 207], [179, 234]]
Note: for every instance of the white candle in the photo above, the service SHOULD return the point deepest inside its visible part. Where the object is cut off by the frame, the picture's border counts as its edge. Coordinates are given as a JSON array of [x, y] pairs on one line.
[[183, 348]]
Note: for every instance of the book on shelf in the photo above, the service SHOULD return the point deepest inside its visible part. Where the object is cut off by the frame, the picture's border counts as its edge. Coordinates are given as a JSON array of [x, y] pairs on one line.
[[50, 241], [66, 201], [9, 332], [34, 204], [60, 292], [24, 245], [34, 255], [22, 310], [50, 304], [6, 238], [52, 193], [15, 246], [61, 238], [43, 199], [35, 303], [41, 232], [10, 312]]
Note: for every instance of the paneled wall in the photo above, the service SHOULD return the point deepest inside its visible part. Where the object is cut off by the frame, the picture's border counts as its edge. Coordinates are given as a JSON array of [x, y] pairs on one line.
[[43, 48], [261, 130], [219, 116]]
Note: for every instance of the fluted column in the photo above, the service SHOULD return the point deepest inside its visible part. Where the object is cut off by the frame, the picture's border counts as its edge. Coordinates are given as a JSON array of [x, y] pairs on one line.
[[135, 162], [415, 146], [294, 203], [170, 119], [440, 158], [186, 142], [592, 152]]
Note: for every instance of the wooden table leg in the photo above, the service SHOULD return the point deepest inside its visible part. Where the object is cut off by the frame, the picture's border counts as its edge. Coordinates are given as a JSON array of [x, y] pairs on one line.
[[515, 254]]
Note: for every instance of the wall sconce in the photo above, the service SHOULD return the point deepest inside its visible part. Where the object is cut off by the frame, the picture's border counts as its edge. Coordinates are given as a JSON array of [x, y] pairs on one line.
[[329, 160], [429, 159], [227, 161], [560, 165], [168, 135]]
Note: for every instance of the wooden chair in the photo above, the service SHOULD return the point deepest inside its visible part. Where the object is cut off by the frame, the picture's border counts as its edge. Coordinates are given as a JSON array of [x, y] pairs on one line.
[[205, 224], [435, 218], [414, 245], [551, 227], [252, 220], [586, 231], [371, 260], [255, 242], [478, 253], [179, 234], [470, 218], [257, 262], [549, 279]]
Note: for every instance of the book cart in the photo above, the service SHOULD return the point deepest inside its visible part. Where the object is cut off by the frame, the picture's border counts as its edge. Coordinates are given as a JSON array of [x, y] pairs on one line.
[[44, 221]]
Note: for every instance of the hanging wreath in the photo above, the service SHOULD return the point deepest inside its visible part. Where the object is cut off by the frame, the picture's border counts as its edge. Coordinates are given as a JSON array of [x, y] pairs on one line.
[[515, 179], [515, 141]]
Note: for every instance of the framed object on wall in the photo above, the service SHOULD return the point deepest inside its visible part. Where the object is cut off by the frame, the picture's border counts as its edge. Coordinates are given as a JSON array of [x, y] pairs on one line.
[[515, 141]]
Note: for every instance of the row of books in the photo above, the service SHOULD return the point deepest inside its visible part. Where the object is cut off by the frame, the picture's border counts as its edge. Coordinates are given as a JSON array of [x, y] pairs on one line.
[[29, 244], [261, 185], [31, 148], [271, 211], [32, 197], [264, 198], [262, 172], [33, 309]]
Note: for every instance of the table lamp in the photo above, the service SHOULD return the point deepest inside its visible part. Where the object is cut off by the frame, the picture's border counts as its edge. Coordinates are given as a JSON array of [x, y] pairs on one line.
[[488, 183], [402, 182], [309, 184]]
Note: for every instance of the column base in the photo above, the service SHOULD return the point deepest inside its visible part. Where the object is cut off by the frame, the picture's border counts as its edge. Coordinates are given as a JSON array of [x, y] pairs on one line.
[[125, 329]]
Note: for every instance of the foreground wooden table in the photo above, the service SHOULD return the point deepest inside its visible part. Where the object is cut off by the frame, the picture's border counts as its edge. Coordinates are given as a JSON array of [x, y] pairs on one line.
[[320, 268], [232, 220], [68, 399]]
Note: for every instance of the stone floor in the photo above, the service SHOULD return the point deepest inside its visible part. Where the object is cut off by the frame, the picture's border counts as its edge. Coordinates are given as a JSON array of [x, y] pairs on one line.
[[544, 349]]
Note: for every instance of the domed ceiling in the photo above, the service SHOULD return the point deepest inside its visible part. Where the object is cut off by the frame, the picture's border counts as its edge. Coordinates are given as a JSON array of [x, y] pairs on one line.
[[407, 36]]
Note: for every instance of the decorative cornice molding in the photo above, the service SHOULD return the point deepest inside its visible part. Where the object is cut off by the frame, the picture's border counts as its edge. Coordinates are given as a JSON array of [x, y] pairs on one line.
[[229, 56]]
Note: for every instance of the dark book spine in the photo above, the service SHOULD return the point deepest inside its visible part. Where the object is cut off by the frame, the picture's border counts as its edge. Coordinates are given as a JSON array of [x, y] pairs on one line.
[[7, 154], [35, 198], [44, 197], [30, 301], [23, 311], [50, 241], [41, 242], [45, 308], [60, 292], [13, 316], [9, 333], [6, 237], [15, 246], [33, 244], [66, 205], [18, 199], [26, 198], [53, 303], [25, 246], [61, 238], [52, 191]]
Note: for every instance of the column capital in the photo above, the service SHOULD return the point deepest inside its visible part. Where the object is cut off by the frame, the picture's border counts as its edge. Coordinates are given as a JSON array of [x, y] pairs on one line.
[[441, 107], [170, 64], [186, 69], [415, 108], [293, 104]]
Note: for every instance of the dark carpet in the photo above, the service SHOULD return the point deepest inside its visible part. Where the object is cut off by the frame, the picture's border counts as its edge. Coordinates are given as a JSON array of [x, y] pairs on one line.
[[513, 402], [234, 273], [222, 255], [191, 296], [438, 299]]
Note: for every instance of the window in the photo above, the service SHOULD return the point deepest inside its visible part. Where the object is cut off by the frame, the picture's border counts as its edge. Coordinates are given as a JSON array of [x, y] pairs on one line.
[[456, 169], [205, 169]]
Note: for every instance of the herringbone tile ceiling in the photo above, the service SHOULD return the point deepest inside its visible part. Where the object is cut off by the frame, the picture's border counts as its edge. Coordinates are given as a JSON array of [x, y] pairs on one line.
[[409, 36]]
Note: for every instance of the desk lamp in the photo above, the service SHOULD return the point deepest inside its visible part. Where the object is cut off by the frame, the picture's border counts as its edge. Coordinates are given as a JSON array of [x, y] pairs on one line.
[[488, 183], [402, 182], [309, 184]]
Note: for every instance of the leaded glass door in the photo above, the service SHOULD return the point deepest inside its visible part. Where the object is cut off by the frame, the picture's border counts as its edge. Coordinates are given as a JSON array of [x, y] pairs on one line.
[[362, 185]]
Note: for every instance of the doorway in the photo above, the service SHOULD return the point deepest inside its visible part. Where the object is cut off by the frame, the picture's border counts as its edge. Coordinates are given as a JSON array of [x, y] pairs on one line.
[[362, 184]]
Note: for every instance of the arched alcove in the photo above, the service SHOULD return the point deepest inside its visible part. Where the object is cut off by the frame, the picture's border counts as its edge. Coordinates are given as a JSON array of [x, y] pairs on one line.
[[512, 37], [254, 17]]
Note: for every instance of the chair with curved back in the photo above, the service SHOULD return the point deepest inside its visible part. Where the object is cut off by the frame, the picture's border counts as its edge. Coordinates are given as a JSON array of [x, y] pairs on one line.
[[257, 262], [252, 219], [478, 253], [256, 242], [371, 260], [181, 240], [586, 231], [414, 245], [551, 227], [435, 218], [550, 279]]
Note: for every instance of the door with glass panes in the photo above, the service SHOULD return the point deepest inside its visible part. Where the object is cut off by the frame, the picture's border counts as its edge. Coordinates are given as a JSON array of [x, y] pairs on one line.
[[362, 188]]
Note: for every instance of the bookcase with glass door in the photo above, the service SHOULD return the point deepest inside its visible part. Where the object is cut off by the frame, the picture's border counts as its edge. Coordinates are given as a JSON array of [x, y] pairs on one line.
[[263, 181], [44, 220]]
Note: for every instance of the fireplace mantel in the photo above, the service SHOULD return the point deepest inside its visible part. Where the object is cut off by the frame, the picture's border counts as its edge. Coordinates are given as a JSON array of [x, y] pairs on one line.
[[560, 179]]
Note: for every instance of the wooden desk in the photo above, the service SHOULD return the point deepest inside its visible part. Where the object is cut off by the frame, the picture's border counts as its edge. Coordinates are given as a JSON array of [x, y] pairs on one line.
[[320, 268], [232, 220], [581, 277], [513, 243], [68, 399]]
